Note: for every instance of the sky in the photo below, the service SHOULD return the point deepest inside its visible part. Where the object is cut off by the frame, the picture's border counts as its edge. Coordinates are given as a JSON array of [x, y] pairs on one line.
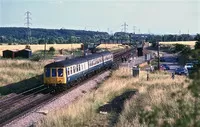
[[148, 16]]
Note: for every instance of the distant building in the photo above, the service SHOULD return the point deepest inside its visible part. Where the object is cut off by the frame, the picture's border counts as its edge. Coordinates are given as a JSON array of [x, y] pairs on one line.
[[24, 53], [9, 53]]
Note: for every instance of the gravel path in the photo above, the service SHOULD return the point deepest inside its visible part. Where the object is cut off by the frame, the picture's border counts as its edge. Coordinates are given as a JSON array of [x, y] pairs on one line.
[[36, 115]]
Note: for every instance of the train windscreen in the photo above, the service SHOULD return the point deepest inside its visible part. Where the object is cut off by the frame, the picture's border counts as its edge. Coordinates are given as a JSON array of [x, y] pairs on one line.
[[47, 72], [53, 72], [60, 72]]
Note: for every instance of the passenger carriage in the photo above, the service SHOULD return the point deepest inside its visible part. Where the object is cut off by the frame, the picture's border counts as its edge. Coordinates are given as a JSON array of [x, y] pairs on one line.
[[68, 71]]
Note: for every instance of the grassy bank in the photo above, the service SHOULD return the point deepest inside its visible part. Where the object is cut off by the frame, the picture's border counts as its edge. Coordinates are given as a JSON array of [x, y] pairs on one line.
[[17, 75], [155, 104]]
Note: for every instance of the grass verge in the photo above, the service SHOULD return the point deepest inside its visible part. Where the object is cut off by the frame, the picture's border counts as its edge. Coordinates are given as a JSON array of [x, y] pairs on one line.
[[19, 75], [157, 103]]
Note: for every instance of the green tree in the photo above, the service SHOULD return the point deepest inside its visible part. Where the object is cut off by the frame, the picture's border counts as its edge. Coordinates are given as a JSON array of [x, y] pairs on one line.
[[197, 38], [52, 49], [179, 47], [41, 41]]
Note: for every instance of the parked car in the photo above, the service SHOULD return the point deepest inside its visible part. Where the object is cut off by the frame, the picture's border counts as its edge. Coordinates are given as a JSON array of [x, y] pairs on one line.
[[165, 67], [181, 71], [189, 66], [195, 62], [162, 59]]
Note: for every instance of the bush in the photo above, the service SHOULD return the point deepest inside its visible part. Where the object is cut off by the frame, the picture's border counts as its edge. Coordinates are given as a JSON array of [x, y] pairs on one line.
[[179, 47], [36, 57], [28, 47], [52, 49]]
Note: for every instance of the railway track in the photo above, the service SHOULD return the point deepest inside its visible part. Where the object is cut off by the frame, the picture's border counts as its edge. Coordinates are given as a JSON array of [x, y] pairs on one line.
[[17, 106], [15, 98]]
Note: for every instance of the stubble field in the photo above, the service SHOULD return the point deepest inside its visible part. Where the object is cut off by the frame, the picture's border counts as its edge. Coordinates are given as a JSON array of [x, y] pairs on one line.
[[68, 47]]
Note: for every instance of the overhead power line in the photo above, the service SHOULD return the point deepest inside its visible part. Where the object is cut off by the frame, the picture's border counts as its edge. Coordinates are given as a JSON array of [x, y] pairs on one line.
[[28, 23], [134, 29], [125, 27]]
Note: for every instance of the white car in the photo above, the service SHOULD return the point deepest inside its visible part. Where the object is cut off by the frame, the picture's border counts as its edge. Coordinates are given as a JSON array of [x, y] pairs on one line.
[[189, 65]]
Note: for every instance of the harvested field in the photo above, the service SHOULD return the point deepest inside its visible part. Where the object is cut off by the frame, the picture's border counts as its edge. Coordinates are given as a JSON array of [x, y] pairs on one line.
[[189, 43], [40, 47], [56, 46]]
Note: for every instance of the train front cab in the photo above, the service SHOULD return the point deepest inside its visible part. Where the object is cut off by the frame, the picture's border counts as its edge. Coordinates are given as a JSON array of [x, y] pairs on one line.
[[54, 77]]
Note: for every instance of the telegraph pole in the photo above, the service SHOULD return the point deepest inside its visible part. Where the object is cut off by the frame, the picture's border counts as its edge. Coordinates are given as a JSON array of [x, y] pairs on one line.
[[45, 47], [28, 23], [125, 27], [158, 50]]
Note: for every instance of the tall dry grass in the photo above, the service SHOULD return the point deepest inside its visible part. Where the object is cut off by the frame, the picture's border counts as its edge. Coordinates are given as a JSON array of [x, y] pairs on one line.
[[18, 75], [154, 93], [17, 70]]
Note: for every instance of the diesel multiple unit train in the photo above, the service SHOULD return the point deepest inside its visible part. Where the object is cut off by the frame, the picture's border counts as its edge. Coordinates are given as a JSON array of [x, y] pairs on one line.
[[64, 73]]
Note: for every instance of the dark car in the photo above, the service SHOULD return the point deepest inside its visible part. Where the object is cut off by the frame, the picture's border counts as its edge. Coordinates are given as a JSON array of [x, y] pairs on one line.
[[165, 67], [181, 71], [162, 59]]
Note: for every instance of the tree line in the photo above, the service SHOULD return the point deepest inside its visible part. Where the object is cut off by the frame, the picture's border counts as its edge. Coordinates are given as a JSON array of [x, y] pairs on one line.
[[62, 36]]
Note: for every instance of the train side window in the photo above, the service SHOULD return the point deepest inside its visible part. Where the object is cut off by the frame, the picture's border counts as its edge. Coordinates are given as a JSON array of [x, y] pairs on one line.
[[77, 70], [68, 71], [74, 69], [71, 70], [79, 67], [47, 72], [53, 72], [60, 72]]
